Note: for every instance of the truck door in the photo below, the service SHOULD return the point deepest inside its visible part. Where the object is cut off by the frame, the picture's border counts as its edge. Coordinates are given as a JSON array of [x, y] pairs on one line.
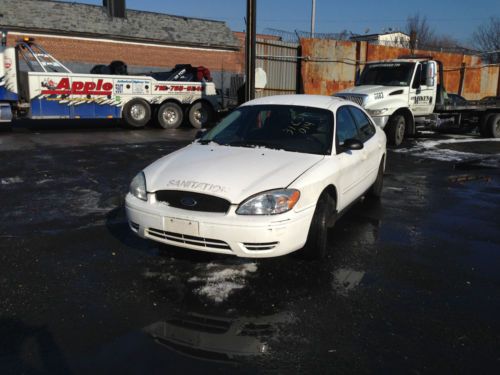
[[423, 91]]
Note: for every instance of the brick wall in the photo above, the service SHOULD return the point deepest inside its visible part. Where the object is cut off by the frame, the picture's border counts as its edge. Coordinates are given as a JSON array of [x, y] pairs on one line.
[[93, 51]]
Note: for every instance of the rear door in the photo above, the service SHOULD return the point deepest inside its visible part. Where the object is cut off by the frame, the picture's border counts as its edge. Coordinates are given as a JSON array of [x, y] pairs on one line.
[[352, 163], [372, 146]]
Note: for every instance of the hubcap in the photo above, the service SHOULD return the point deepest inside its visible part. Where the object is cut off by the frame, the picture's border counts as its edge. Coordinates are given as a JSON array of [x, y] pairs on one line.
[[400, 132], [496, 129], [200, 115], [138, 112], [170, 116]]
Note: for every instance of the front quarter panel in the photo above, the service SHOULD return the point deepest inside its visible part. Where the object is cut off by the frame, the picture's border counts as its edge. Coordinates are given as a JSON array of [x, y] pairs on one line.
[[312, 183]]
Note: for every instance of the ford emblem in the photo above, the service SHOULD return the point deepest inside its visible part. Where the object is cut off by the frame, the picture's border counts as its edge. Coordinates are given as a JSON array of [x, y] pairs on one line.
[[188, 201]]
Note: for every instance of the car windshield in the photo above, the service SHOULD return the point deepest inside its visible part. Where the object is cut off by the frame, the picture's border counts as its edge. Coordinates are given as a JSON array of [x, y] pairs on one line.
[[282, 127], [387, 74]]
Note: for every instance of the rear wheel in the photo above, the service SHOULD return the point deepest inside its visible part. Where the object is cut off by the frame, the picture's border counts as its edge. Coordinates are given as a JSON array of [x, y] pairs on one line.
[[136, 113], [200, 114], [395, 130], [483, 125], [493, 125], [169, 115], [317, 238]]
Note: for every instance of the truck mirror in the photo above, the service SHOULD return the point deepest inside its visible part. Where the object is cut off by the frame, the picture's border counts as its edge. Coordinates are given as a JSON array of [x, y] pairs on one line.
[[430, 74]]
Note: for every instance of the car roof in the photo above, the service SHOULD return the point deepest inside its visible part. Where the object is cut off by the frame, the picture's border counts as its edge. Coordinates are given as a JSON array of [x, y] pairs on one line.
[[318, 101]]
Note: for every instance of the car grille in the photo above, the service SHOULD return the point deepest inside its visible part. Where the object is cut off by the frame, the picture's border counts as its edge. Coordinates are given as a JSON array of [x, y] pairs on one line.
[[259, 246], [189, 240], [187, 200], [353, 98]]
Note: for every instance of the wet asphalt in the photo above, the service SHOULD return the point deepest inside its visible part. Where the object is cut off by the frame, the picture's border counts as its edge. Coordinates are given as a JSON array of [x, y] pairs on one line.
[[411, 285]]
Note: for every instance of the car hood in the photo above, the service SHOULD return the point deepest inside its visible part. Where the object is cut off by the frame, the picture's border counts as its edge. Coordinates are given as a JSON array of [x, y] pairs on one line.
[[369, 89], [233, 173]]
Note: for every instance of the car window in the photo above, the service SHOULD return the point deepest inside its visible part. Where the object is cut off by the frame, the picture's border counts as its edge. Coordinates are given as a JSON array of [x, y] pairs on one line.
[[346, 127], [282, 127], [423, 78], [365, 127]]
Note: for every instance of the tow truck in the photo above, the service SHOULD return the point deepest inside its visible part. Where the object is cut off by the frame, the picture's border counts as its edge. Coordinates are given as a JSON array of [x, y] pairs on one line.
[[35, 85], [410, 90]]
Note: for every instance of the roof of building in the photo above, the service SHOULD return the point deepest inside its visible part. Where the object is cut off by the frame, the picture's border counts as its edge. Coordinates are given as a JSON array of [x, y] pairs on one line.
[[374, 36], [65, 18]]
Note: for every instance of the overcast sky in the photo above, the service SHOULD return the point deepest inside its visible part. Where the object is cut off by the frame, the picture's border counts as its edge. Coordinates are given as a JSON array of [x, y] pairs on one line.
[[456, 18]]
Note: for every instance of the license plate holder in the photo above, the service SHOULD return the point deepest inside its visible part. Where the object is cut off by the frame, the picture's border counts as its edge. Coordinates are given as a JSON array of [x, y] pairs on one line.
[[181, 226]]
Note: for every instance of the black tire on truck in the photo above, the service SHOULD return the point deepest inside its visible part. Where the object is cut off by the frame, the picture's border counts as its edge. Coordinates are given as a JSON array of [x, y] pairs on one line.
[[493, 125], [317, 238], [200, 114], [136, 113], [169, 115], [395, 129], [483, 125]]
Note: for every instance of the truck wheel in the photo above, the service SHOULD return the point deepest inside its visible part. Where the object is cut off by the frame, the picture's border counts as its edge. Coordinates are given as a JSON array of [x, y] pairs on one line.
[[317, 238], [493, 125], [169, 115], [200, 114], [483, 125], [395, 130], [375, 191], [136, 113]]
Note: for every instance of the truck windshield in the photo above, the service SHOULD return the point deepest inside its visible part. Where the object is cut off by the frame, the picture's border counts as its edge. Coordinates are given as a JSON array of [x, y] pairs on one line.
[[281, 127], [387, 74]]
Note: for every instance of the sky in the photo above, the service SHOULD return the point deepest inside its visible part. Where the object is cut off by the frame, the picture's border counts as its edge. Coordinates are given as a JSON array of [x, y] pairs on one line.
[[455, 18]]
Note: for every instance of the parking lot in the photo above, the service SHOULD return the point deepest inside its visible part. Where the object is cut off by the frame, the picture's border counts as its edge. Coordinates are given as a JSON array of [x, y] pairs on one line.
[[411, 283]]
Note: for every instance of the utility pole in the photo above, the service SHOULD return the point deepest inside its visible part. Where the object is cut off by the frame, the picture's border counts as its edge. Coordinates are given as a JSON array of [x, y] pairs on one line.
[[313, 18], [250, 49]]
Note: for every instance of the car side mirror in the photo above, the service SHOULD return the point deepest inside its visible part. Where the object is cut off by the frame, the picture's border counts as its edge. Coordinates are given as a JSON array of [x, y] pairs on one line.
[[200, 133], [353, 144]]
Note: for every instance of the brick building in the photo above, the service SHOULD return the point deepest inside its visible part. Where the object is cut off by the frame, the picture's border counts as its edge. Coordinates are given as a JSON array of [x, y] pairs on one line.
[[82, 36]]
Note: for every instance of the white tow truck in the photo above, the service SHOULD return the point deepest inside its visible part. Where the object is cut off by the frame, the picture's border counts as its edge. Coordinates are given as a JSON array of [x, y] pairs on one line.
[[400, 93], [35, 85]]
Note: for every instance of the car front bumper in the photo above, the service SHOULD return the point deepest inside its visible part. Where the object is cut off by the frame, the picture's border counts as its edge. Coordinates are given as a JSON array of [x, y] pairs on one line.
[[229, 233]]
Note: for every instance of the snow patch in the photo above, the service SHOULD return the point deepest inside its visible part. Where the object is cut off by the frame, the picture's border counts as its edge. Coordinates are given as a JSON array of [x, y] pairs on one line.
[[428, 149], [221, 280], [11, 180]]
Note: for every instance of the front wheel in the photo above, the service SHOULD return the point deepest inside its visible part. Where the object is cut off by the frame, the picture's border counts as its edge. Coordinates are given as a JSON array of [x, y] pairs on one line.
[[375, 191], [395, 130], [200, 114], [317, 238]]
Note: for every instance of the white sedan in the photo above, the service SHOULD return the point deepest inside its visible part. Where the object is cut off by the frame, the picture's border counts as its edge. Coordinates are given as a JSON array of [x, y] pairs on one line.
[[270, 179]]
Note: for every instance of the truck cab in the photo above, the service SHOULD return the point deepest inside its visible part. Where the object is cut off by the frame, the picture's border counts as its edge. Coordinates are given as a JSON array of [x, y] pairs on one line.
[[397, 93]]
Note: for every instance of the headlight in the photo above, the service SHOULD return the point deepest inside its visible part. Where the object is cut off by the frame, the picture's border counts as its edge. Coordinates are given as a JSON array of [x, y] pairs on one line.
[[138, 187], [269, 203], [377, 112]]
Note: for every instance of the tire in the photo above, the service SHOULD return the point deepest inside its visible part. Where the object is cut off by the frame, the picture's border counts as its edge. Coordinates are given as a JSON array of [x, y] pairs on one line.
[[200, 115], [493, 125], [317, 238], [136, 113], [169, 115], [484, 129], [395, 130], [375, 191]]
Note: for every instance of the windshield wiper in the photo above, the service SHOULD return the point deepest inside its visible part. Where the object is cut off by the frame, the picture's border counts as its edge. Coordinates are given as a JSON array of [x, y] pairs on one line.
[[207, 141], [252, 143]]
